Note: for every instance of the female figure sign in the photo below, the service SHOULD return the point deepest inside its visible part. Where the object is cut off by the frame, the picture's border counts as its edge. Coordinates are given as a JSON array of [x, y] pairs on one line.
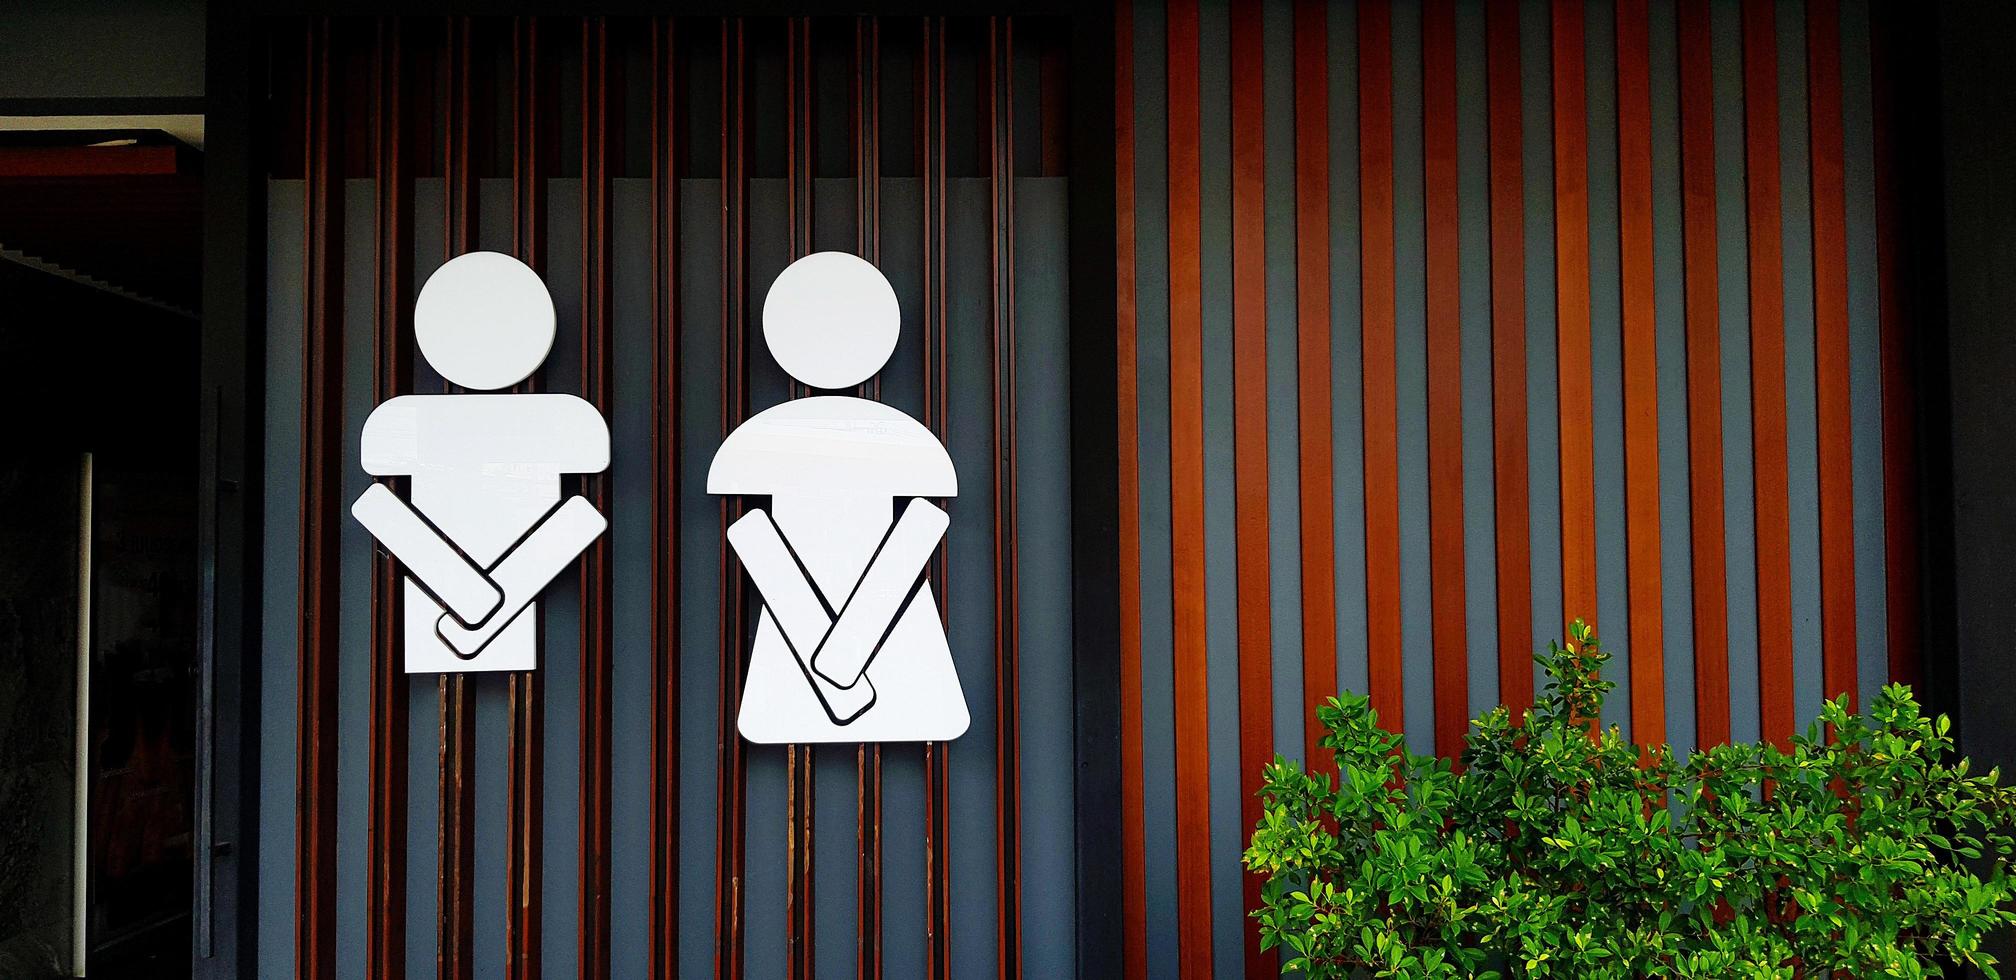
[[849, 647]]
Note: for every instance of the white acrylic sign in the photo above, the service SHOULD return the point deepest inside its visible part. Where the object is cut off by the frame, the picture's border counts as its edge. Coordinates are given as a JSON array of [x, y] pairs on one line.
[[849, 647], [485, 528]]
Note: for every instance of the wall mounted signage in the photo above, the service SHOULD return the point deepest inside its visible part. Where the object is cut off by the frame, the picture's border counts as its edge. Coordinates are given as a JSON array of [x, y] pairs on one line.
[[485, 528], [849, 646]]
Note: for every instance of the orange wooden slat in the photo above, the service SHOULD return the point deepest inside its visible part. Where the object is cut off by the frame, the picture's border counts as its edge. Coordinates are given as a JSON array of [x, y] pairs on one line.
[[1249, 438], [800, 836], [1511, 495], [1576, 410], [1127, 389], [1767, 371], [1381, 395], [1186, 504], [391, 375], [1831, 370], [316, 636], [1000, 106], [731, 775], [662, 962], [525, 839], [1641, 374], [1312, 360], [1443, 212], [1704, 375], [600, 137]]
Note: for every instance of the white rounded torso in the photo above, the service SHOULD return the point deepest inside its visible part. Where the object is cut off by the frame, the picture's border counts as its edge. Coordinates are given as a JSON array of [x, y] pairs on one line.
[[829, 445]]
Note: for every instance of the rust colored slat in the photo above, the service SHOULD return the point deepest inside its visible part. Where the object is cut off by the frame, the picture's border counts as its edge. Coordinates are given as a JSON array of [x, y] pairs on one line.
[[1767, 371], [1641, 374], [1381, 393], [1704, 375], [931, 67], [1572, 344], [731, 789], [1833, 411], [1186, 506], [321, 517], [600, 141], [1127, 389], [455, 922], [524, 864], [391, 375], [1007, 572], [1511, 495], [663, 949], [867, 123], [1249, 438], [1312, 371], [1900, 411], [1445, 375], [800, 897]]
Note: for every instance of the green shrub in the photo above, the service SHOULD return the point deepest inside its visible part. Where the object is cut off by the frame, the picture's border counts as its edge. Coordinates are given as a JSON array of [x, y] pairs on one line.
[[1559, 849]]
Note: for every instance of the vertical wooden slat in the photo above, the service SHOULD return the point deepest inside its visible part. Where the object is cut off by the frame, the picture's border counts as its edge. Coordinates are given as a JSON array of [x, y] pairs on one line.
[[1186, 505], [1378, 357], [1900, 413], [391, 375], [321, 516], [1443, 212], [525, 840], [1767, 371], [1127, 389], [1577, 411], [1510, 494], [1641, 374], [1704, 375], [867, 122], [599, 142], [799, 894], [1312, 371], [455, 923], [937, 755], [663, 945], [731, 788], [1831, 368], [863, 113], [1249, 438], [1007, 573]]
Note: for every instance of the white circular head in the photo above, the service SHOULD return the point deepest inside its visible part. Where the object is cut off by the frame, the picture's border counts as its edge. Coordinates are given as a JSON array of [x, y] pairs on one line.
[[831, 320], [484, 320]]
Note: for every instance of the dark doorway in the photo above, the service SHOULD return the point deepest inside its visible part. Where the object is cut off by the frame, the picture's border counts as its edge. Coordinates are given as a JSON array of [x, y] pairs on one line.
[[98, 274]]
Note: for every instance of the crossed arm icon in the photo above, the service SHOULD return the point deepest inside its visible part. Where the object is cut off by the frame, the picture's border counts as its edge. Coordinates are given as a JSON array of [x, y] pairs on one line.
[[480, 602], [834, 648]]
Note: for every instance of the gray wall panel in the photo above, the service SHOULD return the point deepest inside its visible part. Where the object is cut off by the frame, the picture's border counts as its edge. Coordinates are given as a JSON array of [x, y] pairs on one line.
[[1284, 510], [1606, 365], [1221, 580], [1043, 536], [1410, 294], [1480, 523], [1801, 434], [280, 553]]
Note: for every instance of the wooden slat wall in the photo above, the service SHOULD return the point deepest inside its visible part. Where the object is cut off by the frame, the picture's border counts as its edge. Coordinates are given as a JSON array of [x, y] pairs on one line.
[[584, 146], [947, 119], [1740, 514]]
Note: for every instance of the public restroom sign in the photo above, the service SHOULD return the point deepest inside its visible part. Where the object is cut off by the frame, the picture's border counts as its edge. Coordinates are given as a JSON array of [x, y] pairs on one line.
[[848, 646]]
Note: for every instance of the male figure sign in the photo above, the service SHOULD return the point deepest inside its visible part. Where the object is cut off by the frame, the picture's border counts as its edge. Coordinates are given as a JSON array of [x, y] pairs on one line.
[[486, 529], [848, 646]]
